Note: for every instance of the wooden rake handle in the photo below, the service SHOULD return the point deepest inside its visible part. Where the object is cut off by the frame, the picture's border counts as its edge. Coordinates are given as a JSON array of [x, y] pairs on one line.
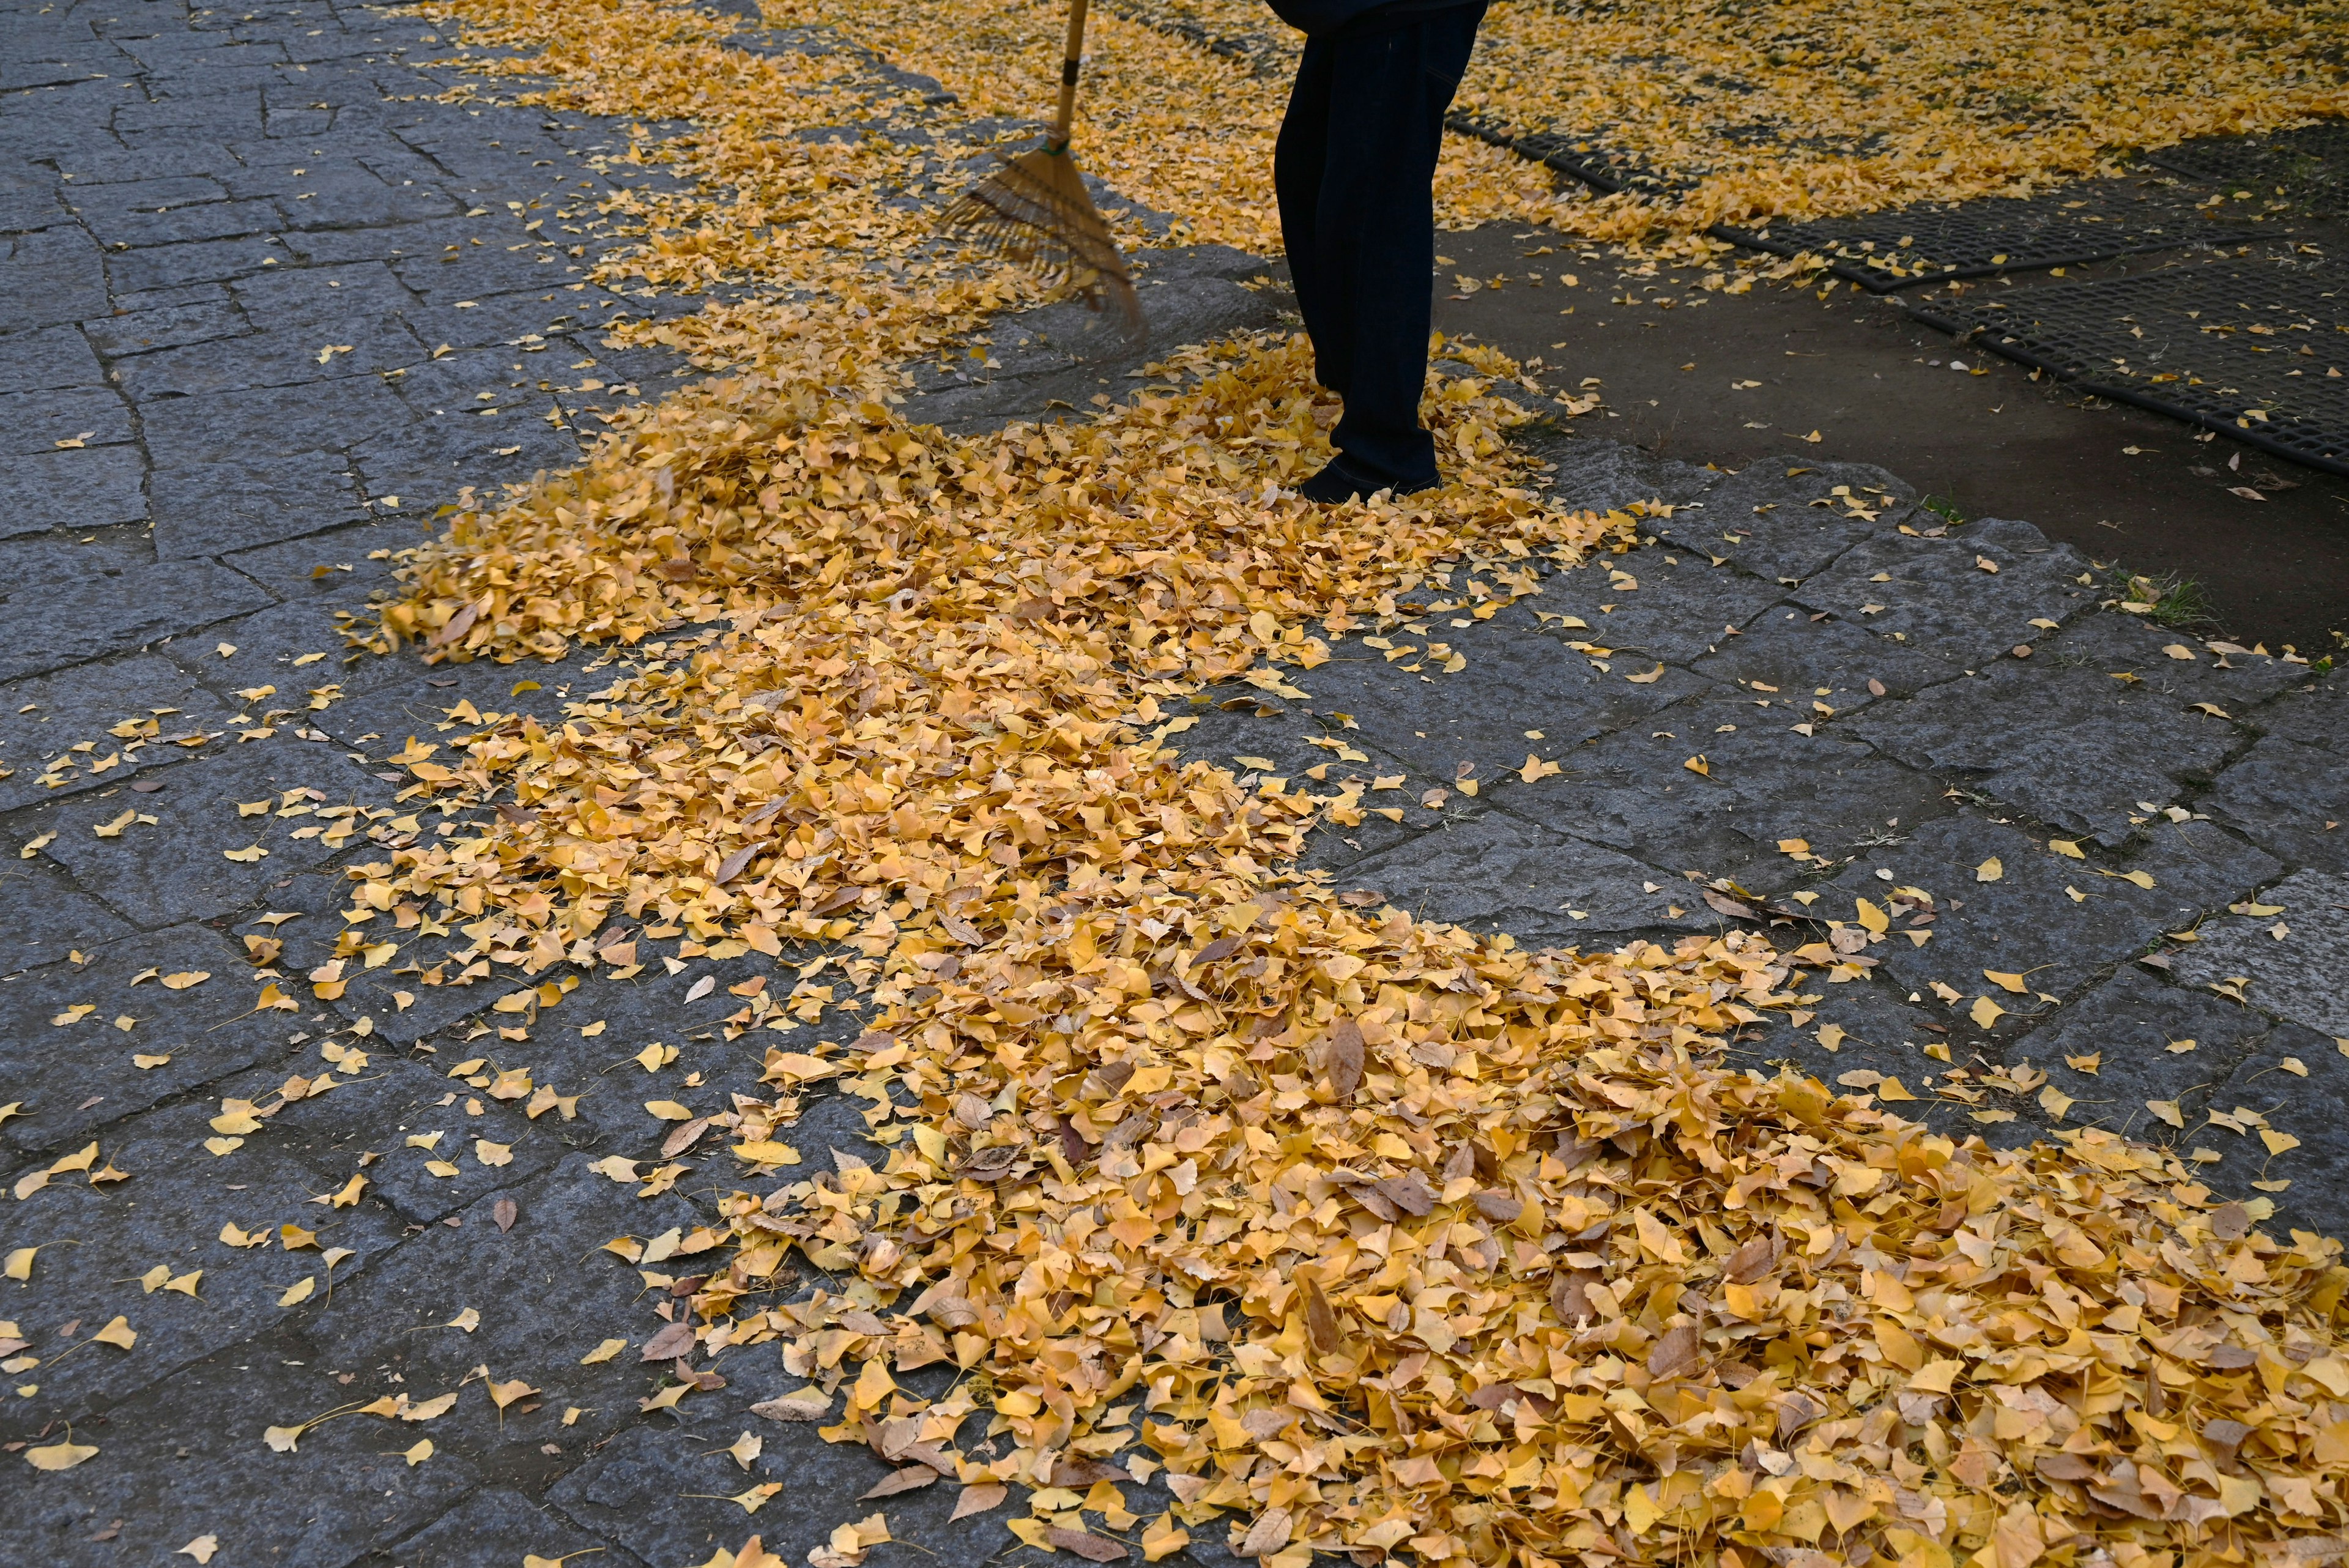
[[1070, 53]]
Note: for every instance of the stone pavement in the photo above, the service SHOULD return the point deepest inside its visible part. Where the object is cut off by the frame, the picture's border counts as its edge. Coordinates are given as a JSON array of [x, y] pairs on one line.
[[265, 303]]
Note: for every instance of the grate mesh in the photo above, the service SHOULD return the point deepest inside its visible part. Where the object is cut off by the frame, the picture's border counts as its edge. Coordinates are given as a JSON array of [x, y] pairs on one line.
[[2093, 221], [2260, 350], [2310, 166]]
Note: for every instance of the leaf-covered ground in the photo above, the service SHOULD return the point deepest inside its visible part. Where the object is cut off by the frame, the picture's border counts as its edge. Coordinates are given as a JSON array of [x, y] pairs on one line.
[[1373, 1235]]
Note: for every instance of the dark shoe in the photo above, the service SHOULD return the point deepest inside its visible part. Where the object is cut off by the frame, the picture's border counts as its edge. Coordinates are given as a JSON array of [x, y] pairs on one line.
[[1338, 483]]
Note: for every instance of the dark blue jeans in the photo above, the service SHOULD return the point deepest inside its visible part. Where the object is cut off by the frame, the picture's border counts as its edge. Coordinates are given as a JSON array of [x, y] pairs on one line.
[[1354, 170]]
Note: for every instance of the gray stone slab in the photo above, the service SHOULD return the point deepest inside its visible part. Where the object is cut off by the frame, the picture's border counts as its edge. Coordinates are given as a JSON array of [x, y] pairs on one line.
[[269, 642], [2315, 715], [1855, 1029], [84, 487], [397, 1099], [176, 867], [2120, 644], [37, 422], [30, 200], [44, 718], [192, 262], [2302, 974], [46, 360], [547, 1295], [213, 508], [253, 425], [170, 1211], [1517, 679], [497, 1520], [396, 696], [1656, 605], [2291, 799], [1763, 782], [2026, 922], [77, 1077], [341, 563], [1762, 517], [1254, 736], [2123, 1033], [1593, 474], [638, 1492], [112, 163], [1492, 872], [1812, 659], [67, 622], [1933, 597], [44, 916], [2297, 1082], [169, 319], [2074, 747], [361, 344], [185, 1458], [55, 275], [105, 207]]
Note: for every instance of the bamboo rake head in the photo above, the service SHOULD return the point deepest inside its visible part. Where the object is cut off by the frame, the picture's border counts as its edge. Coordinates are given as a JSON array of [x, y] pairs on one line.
[[1035, 211]]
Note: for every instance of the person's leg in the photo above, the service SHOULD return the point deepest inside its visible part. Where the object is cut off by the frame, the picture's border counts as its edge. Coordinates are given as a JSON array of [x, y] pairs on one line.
[[1374, 232], [1299, 159]]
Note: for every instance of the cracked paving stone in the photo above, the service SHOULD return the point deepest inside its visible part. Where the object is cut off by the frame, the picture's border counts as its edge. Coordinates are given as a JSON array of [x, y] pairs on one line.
[[1824, 660], [169, 1212], [2290, 964], [185, 1458], [177, 867], [2291, 798], [2124, 1031], [1496, 873], [76, 1077], [2073, 747], [1764, 782], [502, 1524], [2027, 922], [44, 718], [1762, 518], [1517, 679], [1666, 611], [1933, 595]]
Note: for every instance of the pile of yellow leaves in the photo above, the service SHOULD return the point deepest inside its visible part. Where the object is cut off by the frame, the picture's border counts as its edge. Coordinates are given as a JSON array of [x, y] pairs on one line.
[[1379, 1235], [1827, 108]]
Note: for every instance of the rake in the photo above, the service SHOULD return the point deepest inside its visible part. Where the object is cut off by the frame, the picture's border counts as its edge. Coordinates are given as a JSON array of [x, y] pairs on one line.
[[1034, 210]]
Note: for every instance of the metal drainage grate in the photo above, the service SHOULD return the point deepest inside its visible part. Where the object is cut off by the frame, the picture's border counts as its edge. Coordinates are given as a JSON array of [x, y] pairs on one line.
[[2093, 221], [2260, 350], [2310, 165]]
